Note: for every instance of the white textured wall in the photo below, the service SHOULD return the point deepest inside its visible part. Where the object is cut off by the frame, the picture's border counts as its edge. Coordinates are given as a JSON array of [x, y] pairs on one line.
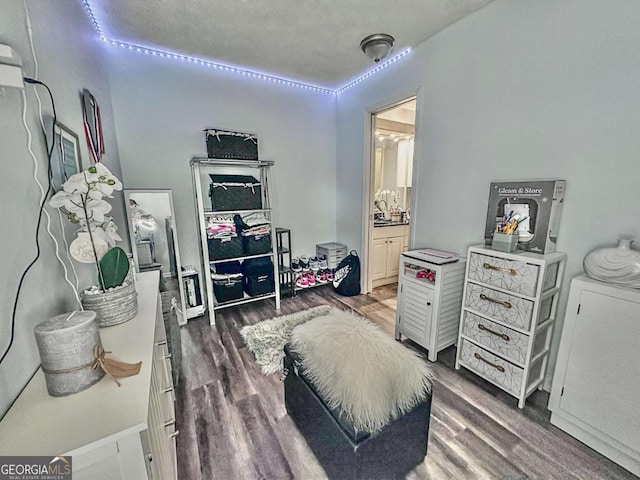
[[70, 58], [162, 107], [518, 90]]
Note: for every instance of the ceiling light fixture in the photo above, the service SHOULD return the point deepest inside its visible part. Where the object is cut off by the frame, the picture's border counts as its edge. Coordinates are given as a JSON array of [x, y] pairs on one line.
[[377, 46]]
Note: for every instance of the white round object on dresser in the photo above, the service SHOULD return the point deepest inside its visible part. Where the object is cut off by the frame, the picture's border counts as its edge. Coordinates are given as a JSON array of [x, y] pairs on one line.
[[618, 265]]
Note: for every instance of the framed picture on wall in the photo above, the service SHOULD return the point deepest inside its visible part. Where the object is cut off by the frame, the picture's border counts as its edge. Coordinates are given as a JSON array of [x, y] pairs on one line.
[[65, 160]]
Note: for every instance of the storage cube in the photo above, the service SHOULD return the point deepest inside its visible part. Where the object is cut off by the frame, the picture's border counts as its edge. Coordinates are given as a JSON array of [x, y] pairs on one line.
[[235, 192], [228, 144], [223, 248], [258, 276], [228, 287], [256, 244], [334, 252]]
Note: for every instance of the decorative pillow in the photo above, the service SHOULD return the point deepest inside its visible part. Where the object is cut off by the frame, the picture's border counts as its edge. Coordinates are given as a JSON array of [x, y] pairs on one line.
[[358, 369]]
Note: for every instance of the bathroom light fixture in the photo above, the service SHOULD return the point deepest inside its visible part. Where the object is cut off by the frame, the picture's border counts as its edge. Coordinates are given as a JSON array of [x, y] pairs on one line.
[[377, 46]]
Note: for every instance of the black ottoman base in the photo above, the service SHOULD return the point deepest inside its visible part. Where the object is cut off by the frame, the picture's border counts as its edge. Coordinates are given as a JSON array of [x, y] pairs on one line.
[[344, 454]]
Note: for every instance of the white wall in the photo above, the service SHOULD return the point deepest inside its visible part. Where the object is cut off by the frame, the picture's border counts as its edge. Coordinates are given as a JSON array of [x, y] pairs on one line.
[[518, 90], [70, 59], [162, 107]]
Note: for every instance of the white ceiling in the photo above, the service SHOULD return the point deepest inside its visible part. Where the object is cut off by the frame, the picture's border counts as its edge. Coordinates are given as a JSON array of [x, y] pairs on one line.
[[313, 41]]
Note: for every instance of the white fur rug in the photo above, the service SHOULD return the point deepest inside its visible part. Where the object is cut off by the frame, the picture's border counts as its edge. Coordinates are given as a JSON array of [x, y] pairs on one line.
[[359, 369], [266, 339]]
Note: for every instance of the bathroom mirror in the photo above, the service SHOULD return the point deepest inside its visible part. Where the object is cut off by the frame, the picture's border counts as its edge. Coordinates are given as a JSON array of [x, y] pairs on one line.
[[154, 240]]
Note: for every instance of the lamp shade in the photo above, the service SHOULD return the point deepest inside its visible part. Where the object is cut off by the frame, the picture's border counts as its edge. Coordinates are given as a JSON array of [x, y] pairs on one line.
[[377, 46]]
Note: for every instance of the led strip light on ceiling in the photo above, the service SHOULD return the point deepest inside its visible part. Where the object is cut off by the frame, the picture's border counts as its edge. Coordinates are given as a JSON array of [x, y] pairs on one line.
[[235, 69]]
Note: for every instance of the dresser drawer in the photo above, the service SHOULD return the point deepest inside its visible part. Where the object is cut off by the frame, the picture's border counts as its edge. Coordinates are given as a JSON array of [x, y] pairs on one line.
[[512, 275], [505, 374], [503, 307], [507, 342]]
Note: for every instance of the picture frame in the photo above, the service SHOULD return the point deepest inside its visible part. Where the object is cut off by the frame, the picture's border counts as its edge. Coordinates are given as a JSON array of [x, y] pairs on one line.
[[65, 159]]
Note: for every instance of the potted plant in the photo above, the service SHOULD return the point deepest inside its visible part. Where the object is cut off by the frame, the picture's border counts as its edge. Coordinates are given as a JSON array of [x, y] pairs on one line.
[[83, 200]]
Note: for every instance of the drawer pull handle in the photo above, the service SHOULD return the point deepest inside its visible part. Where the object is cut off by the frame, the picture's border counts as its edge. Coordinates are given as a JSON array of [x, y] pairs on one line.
[[174, 434], [509, 271], [497, 367], [170, 422], [503, 336], [167, 390], [161, 342], [168, 355], [493, 300]]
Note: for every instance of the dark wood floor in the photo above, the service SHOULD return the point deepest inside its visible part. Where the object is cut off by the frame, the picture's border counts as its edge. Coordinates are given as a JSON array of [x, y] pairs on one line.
[[233, 424]]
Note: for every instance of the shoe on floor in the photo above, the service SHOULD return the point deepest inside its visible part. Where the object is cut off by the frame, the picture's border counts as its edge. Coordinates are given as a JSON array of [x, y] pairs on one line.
[[304, 262], [314, 264], [321, 277], [329, 273], [311, 279], [322, 262], [295, 265], [302, 281]]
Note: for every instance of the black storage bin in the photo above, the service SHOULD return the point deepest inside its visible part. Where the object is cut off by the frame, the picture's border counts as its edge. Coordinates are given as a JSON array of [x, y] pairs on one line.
[[228, 144], [256, 244], [228, 289], [258, 276], [226, 247], [235, 192], [227, 267]]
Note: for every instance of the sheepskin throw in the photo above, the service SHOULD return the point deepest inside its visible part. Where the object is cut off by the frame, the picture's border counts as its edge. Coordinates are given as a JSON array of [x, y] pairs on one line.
[[359, 370], [266, 339]]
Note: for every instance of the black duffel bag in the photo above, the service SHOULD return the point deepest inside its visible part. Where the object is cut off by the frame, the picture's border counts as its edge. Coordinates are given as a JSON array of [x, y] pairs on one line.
[[346, 280]]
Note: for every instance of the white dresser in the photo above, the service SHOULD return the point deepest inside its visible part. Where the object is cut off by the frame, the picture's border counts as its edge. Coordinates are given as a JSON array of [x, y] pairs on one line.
[[429, 300], [509, 309], [596, 384], [114, 433]]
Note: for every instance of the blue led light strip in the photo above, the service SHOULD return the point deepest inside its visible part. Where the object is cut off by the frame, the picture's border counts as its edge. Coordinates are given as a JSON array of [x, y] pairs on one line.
[[233, 69], [373, 71], [220, 66], [94, 20]]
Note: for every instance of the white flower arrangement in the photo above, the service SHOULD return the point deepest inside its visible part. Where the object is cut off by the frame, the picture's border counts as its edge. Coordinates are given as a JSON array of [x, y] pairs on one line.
[[83, 200]]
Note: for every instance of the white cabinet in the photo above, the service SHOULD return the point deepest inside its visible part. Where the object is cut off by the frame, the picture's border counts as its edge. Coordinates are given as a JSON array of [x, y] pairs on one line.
[[429, 299], [110, 432], [508, 312], [388, 244], [596, 383]]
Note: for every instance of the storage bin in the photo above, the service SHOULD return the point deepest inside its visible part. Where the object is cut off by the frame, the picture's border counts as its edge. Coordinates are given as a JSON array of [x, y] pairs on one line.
[[231, 267], [228, 144], [256, 244], [334, 252], [235, 192], [228, 288], [258, 276], [225, 247]]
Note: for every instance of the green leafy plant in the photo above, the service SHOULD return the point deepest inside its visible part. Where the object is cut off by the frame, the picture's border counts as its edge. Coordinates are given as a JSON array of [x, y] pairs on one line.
[[114, 266]]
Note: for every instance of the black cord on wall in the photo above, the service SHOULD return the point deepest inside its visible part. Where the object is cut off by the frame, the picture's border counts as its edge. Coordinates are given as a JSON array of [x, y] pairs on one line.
[[42, 205]]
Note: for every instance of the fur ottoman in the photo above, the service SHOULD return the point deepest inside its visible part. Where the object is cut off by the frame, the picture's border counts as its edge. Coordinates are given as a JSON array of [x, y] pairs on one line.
[[361, 400]]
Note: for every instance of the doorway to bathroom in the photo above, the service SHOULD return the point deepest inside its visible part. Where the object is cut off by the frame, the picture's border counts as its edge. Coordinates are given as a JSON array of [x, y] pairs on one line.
[[389, 202]]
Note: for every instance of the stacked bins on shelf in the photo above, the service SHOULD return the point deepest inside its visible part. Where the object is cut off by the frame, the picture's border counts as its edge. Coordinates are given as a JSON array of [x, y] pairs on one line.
[[237, 229]]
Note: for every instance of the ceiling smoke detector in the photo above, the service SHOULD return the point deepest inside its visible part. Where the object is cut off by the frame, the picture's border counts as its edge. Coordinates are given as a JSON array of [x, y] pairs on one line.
[[377, 46]]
